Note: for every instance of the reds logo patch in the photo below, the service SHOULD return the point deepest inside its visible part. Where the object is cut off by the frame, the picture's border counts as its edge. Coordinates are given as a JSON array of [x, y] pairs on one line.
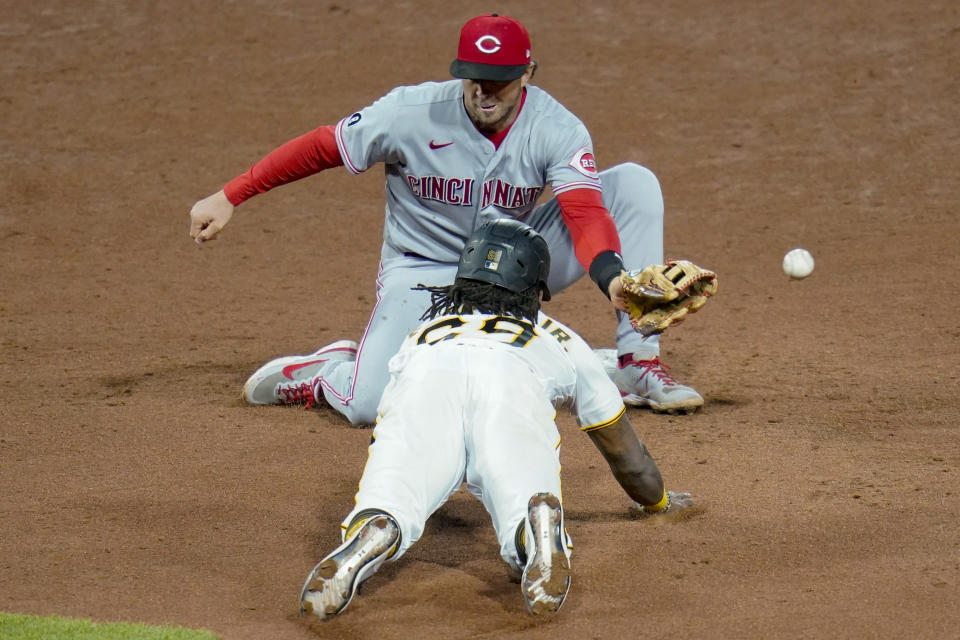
[[584, 163], [488, 44]]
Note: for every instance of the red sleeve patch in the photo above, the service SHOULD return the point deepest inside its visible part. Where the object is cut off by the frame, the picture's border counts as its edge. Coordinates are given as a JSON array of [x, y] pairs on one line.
[[584, 163]]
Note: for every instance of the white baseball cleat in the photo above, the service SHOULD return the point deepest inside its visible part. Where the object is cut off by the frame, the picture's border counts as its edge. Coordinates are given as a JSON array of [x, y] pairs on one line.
[[291, 379], [333, 582], [546, 576], [647, 383]]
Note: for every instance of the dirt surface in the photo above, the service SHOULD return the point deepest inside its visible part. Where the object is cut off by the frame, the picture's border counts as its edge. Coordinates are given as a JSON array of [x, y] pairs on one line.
[[135, 485]]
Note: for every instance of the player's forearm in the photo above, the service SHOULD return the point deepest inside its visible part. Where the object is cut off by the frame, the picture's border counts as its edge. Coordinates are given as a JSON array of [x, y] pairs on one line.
[[301, 157], [594, 235], [631, 463]]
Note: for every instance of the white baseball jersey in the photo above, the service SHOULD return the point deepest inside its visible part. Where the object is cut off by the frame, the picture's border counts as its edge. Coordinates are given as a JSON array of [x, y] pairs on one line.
[[444, 178], [473, 398], [568, 370]]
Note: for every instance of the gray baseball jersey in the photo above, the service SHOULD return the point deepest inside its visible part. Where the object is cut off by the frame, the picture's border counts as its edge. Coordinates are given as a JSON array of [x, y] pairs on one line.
[[444, 178]]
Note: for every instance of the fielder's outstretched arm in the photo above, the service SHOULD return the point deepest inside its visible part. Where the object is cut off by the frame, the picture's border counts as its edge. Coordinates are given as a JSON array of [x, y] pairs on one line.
[[304, 156]]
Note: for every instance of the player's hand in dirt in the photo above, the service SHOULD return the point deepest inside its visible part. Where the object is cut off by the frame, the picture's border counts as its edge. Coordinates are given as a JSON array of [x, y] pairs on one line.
[[209, 216], [679, 500]]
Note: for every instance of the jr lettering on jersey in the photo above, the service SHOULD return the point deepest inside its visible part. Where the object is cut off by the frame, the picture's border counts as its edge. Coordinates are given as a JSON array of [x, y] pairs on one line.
[[557, 332]]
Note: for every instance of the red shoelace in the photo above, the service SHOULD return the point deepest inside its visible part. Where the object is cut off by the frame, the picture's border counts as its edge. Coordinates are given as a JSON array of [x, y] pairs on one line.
[[300, 393], [654, 367]]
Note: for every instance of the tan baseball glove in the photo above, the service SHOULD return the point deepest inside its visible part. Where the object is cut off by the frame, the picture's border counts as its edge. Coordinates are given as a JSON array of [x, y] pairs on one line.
[[663, 294]]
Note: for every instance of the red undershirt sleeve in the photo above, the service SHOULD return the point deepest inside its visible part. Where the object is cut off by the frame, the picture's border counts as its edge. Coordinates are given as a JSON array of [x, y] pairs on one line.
[[595, 238], [301, 157]]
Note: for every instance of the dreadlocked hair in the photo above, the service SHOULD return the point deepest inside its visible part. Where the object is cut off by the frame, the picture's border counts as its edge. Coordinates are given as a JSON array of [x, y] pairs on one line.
[[474, 296]]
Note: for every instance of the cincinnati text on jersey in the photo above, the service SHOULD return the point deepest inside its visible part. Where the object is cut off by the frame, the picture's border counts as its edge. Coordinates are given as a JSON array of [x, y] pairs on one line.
[[459, 191]]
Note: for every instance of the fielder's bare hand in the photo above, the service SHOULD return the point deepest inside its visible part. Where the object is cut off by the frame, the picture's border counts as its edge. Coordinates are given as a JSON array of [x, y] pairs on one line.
[[209, 216], [617, 296]]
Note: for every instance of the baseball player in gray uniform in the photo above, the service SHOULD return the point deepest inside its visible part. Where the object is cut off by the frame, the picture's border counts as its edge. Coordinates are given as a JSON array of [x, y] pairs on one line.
[[472, 398], [455, 155]]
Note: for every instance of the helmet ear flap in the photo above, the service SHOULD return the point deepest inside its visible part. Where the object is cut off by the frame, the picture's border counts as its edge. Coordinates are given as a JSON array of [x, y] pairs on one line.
[[544, 291]]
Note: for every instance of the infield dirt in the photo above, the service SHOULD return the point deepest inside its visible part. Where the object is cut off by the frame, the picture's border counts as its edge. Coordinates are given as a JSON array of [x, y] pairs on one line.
[[135, 484]]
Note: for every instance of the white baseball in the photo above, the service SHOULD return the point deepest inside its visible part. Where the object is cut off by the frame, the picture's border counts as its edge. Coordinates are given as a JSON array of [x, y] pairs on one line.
[[798, 263]]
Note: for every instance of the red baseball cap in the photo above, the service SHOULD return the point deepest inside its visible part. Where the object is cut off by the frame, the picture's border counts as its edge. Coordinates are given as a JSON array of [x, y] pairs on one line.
[[492, 47]]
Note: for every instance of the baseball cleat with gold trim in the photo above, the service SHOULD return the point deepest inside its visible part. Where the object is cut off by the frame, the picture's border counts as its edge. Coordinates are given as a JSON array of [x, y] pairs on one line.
[[333, 582], [546, 576]]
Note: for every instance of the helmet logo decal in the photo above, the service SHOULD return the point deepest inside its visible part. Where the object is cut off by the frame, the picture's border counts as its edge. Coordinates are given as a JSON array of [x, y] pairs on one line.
[[493, 259], [488, 44], [509, 254]]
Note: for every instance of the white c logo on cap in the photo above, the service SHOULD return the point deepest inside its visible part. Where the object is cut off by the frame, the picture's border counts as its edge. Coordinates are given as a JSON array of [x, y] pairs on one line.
[[488, 44]]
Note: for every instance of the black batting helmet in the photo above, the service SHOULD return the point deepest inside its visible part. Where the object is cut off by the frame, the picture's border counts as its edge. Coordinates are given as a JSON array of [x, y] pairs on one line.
[[506, 253]]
